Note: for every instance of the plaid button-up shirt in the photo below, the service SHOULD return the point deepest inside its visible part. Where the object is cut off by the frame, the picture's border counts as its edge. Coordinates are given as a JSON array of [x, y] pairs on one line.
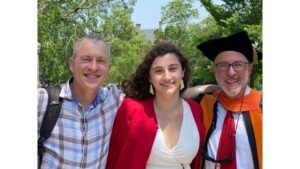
[[80, 138]]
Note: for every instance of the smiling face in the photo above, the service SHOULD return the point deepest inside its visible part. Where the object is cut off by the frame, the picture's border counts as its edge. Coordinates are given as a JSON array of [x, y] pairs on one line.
[[166, 74], [233, 82], [90, 65]]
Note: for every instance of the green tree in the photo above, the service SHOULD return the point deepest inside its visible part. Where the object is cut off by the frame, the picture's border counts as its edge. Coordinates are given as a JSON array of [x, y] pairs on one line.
[[176, 16], [127, 43], [201, 32]]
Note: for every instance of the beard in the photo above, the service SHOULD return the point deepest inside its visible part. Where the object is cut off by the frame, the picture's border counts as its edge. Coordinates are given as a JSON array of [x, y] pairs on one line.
[[236, 91]]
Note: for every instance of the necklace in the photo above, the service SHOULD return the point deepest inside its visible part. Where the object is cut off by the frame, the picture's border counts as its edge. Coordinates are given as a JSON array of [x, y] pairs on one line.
[[168, 117]]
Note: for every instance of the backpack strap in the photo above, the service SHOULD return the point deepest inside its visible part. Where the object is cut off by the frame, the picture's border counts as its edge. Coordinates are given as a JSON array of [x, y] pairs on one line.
[[50, 118]]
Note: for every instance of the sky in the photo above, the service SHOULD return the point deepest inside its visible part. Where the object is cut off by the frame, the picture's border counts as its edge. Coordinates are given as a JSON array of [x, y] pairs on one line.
[[148, 12]]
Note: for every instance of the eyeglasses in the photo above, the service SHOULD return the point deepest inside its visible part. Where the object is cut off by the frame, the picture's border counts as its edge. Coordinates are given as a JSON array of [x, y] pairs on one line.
[[223, 66]]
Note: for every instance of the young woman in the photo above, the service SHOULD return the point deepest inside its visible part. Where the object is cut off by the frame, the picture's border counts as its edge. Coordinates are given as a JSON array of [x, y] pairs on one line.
[[155, 128]]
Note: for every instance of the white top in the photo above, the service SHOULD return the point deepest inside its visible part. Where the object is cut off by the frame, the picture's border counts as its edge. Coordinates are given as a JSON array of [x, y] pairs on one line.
[[182, 154], [243, 150]]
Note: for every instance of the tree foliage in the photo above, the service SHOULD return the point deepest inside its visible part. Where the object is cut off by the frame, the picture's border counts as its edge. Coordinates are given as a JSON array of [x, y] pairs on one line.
[[127, 43], [176, 16], [201, 32], [61, 23]]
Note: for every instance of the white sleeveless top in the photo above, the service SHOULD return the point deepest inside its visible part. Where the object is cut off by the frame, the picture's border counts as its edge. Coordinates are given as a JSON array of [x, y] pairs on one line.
[[182, 154]]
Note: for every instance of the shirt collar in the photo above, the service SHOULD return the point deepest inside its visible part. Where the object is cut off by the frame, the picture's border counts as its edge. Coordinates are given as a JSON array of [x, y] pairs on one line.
[[68, 94]]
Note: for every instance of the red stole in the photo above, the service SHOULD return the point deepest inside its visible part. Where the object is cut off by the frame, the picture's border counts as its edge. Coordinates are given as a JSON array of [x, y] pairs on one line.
[[227, 144]]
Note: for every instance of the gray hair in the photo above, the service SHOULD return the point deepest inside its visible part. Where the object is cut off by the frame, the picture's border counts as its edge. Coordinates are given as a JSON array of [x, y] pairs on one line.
[[95, 38]]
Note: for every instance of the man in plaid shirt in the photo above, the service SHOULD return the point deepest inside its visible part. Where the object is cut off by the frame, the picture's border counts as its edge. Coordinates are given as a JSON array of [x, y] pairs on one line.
[[80, 138]]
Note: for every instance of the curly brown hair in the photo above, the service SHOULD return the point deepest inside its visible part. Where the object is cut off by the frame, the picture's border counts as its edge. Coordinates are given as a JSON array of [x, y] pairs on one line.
[[137, 86]]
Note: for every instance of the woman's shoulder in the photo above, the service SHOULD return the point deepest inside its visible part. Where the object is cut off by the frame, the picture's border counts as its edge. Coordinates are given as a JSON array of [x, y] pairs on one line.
[[129, 100], [192, 103], [131, 103], [136, 110]]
